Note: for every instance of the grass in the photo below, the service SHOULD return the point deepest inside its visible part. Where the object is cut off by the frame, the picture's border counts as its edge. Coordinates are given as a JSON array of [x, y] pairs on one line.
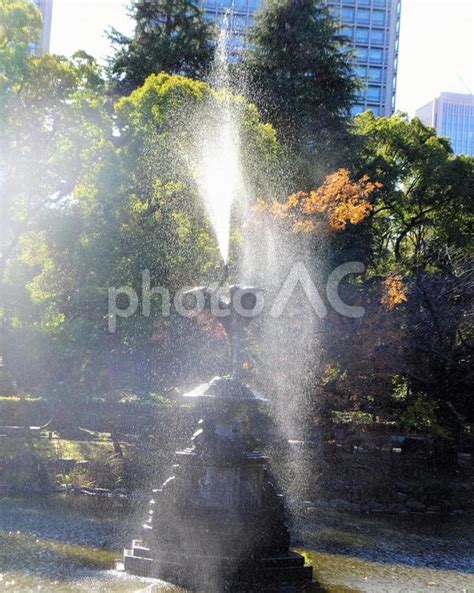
[[80, 450], [56, 448], [103, 470]]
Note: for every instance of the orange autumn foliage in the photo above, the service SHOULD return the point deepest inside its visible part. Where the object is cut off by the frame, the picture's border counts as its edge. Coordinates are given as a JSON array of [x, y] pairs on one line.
[[395, 291], [337, 202]]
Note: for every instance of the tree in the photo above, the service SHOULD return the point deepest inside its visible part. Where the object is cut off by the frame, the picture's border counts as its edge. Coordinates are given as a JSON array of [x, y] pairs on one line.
[[416, 336], [53, 119], [134, 208], [170, 36], [300, 74], [338, 202], [425, 204], [20, 26], [440, 345], [407, 218]]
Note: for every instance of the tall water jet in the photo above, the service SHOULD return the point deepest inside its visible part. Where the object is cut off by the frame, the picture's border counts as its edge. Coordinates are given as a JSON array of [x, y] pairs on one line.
[[217, 167], [287, 346]]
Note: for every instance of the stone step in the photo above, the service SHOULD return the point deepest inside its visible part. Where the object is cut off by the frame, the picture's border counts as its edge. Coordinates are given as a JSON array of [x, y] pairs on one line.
[[275, 575], [141, 551], [285, 569], [292, 559]]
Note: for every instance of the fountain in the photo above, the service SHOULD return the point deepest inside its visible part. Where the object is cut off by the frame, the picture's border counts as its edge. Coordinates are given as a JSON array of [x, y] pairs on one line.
[[219, 524]]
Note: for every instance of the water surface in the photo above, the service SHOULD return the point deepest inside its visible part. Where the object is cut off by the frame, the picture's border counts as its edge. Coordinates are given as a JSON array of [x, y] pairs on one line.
[[70, 544]]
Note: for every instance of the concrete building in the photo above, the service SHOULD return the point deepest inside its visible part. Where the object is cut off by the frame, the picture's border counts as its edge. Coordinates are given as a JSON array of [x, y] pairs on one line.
[[46, 9], [371, 26], [452, 116]]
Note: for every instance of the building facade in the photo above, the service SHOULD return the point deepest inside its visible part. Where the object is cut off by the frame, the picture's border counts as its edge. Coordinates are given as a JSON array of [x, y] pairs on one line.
[[46, 9], [371, 26], [452, 116]]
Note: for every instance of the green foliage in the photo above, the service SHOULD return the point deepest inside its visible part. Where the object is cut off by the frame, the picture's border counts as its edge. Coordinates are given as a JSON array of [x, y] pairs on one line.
[[20, 26], [170, 36], [416, 242], [300, 73], [422, 414], [425, 205], [122, 200], [55, 124], [96, 193]]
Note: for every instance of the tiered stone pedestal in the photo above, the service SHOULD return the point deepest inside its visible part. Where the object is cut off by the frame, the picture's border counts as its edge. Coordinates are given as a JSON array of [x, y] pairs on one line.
[[218, 524]]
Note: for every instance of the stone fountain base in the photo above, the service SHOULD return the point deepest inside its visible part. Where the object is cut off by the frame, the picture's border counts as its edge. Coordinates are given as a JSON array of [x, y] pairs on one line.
[[218, 524], [282, 574]]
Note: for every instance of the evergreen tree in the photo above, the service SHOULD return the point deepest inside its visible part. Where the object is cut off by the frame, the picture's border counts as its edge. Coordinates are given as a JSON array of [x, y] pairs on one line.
[[301, 71], [170, 36]]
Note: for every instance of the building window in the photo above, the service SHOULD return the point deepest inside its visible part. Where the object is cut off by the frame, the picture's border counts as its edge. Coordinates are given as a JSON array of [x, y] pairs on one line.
[[362, 35], [378, 17], [378, 2], [362, 53], [375, 74], [363, 16], [347, 14], [375, 56], [377, 36], [374, 93], [240, 5], [361, 71]]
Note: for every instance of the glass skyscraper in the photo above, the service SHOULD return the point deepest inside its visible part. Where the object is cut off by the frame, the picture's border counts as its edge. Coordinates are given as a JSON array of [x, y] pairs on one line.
[[46, 9], [371, 26], [452, 116]]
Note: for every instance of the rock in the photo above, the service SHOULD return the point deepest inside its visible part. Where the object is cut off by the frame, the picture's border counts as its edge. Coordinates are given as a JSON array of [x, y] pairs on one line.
[[434, 509], [415, 506]]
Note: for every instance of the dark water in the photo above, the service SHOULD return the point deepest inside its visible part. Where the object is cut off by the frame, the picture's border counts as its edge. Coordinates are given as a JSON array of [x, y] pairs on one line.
[[69, 544]]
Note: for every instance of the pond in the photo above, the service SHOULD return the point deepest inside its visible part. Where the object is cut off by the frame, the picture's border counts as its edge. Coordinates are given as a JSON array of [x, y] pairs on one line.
[[67, 544]]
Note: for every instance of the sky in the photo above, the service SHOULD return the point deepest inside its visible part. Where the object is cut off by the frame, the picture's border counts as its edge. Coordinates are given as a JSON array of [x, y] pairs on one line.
[[436, 42]]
